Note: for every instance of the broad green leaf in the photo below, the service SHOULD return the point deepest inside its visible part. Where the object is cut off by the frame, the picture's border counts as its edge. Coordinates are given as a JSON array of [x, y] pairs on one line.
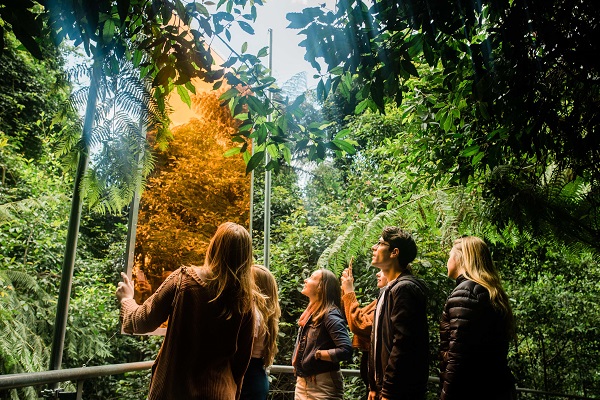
[[345, 146], [409, 67], [477, 158], [162, 78], [448, 123], [343, 133], [287, 154], [273, 151], [360, 107], [229, 94], [108, 31], [256, 105], [263, 52], [254, 161], [470, 151], [246, 27], [184, 95], [232, 152]]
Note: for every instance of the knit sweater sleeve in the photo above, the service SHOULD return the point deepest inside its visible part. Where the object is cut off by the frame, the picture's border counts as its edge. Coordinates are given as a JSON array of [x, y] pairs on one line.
[[360, 320], [147, 317]]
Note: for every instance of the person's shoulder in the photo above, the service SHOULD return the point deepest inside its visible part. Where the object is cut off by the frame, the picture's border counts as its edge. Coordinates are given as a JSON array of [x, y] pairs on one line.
[[409, 282], [468, 288], [463, 283], [200, 275], [333, 314]]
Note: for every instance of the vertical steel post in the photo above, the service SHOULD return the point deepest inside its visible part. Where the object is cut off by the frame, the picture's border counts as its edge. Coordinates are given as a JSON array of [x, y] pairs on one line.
[[134, 207], [60, 323], [267, 231]]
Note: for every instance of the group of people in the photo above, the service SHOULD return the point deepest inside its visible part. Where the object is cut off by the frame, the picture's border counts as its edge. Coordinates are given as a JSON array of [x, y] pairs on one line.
[[223, 326]]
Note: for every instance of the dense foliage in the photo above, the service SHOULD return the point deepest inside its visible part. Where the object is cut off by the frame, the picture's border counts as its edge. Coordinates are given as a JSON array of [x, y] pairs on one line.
[[192, 189], [478, 118], [342, 209]]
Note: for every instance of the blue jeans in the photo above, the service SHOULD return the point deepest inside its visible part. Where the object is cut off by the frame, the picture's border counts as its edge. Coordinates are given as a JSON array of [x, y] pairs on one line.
[[256, 381]]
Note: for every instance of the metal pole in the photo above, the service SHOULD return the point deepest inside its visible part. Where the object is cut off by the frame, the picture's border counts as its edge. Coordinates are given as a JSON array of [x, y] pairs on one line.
[[251, 196], [60, 323], [134, 207], [267, 231]]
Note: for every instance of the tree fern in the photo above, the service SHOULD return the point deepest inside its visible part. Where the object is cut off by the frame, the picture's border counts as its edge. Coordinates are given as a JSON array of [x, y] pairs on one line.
[[337, 256], [445, 213], [561, 208], [120, 155]]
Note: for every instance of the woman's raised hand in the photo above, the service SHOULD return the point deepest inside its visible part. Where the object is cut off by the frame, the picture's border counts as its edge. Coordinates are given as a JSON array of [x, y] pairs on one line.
[[347, 279], [125, 288]]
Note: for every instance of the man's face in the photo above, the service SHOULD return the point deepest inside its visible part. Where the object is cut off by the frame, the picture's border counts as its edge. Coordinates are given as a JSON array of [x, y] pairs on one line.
[[381, 254]]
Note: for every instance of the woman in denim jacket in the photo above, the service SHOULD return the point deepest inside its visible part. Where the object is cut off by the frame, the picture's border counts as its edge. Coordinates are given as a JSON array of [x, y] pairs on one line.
[[322, 342]]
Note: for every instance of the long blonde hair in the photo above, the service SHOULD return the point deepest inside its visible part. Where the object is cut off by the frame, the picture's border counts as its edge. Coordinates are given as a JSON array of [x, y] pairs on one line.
[[229, 260], [269, 309], [474, 257], [329, 295]]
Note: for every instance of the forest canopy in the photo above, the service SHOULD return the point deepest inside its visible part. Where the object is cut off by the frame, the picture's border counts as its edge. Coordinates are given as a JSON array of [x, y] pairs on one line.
[[446, 118]]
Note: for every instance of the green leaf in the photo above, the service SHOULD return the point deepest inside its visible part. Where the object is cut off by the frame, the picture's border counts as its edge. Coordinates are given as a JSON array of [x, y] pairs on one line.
[[244, 47], [162, 78], [263, 52], [273, 151], [255, 160], [287, 154], [246, 27], [256, 106], [409, 67], [232, 152], [337, 70], [343, 133], [108, 31], [344, 145], [477, 158], [360, 107], [201, 9], [229, 94], [184, 95], [470, 151], [190, 87]]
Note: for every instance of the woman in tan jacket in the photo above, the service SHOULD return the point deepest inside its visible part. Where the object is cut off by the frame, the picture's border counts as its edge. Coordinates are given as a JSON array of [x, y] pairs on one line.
[[360, 320]]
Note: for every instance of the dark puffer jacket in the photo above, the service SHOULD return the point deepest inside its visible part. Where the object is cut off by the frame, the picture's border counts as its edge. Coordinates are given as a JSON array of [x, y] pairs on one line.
[[473, 346]]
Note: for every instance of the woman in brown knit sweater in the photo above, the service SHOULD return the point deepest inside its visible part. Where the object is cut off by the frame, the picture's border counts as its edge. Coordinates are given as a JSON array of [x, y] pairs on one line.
[[208, 342]]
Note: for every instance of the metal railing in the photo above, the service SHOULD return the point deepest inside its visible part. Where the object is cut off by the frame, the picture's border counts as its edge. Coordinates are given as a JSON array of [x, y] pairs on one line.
[[78, 375]]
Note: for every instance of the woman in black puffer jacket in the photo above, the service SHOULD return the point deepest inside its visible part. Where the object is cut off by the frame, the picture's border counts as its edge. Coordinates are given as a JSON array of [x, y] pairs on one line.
[[477, 325]]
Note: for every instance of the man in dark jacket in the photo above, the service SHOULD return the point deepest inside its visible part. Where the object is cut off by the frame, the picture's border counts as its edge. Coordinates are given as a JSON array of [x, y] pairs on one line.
[[398, 365]]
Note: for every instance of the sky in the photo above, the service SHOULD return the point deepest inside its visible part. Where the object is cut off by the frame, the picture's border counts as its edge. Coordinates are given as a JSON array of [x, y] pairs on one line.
[[288, 57]]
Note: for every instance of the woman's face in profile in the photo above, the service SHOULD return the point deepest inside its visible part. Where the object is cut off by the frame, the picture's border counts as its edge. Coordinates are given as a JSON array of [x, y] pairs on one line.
[[452, 265], [381, 280], [311, 285]]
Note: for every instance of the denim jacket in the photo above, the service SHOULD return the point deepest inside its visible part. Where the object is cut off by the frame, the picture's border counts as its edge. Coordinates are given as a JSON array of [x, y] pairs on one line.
[[331, 335]]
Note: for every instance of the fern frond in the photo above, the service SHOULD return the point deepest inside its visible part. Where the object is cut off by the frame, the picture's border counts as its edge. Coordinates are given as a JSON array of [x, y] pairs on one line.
[[337, 256]]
